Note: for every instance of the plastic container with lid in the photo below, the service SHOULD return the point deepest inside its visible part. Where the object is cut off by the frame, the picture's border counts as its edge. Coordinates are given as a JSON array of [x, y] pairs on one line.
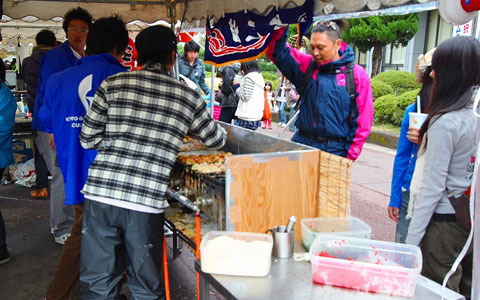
[[236, 253], [348, 226], [366, 265]]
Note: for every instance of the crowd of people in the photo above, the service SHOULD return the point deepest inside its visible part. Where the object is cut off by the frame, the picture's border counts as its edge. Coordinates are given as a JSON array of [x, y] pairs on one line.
[[110, 158], [96, 136]]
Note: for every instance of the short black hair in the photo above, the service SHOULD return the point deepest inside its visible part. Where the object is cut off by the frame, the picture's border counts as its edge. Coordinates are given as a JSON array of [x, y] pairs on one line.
[[46, 37], [77, 13], [2, 70], [333, 29], [155, 44], [107, 35], [249, 66], [191, 46]]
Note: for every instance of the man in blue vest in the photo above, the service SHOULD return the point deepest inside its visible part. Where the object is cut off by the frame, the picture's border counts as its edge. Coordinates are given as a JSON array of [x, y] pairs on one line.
[[68, 98], [76, 24]]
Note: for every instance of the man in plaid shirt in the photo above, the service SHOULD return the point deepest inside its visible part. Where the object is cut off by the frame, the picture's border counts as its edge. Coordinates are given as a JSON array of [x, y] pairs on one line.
[[137, 123]]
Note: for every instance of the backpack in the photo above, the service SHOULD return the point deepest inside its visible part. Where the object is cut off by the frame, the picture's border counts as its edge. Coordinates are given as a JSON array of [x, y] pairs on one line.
[[349, 80]]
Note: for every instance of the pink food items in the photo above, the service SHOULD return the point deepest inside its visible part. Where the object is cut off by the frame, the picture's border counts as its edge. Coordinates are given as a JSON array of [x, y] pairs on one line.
[[363, 278], [365, 265]]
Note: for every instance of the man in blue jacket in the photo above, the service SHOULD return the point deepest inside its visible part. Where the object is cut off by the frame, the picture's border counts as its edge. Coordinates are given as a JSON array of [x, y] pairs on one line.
[[76, 24], [193, 67], [67, 99]]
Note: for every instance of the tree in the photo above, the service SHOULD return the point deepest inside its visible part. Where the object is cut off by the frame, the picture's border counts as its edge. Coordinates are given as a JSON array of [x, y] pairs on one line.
[[376, 32]]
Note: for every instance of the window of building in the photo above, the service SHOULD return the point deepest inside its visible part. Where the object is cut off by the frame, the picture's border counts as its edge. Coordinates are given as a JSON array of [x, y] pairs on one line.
[[360, 57], [393, 58], [437, 30]]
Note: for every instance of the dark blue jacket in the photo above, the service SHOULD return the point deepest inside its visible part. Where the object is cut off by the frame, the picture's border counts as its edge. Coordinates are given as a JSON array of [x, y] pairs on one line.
[[195, 73], [404, 163], [30, 71], [54, 61], [68, 97]]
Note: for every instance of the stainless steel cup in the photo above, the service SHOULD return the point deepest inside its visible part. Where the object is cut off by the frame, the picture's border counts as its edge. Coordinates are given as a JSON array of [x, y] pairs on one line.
[[282, 242]]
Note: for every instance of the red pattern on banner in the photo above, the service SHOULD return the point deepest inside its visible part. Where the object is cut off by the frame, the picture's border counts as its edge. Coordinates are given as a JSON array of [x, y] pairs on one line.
[[130, 56]]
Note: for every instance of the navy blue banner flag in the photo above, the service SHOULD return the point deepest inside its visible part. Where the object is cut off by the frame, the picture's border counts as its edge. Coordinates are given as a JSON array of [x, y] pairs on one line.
[[244, 36]]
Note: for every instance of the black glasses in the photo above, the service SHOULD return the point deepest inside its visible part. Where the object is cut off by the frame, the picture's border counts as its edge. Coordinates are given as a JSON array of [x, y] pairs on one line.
[[75, 29]]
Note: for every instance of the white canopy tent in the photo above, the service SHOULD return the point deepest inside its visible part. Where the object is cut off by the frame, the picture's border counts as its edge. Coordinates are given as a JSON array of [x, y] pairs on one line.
[[24, 18], [193, 14]]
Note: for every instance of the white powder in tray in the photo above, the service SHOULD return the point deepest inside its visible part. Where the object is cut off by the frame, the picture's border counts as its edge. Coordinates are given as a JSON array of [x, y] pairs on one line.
[[229, 256]]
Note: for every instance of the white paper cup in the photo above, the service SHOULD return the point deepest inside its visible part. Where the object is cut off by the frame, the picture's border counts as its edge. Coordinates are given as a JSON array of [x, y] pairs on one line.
[[416, 119]]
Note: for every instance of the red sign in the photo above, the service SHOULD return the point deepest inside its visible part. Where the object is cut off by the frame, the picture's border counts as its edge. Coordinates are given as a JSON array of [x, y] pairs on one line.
[[130, 56]]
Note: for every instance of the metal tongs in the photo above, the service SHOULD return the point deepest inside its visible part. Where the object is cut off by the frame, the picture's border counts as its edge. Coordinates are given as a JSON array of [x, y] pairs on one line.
[[289, 122]]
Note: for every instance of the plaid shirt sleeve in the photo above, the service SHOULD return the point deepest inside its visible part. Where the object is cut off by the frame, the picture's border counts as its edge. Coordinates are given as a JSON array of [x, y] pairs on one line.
[[210, 133], [94, 121]]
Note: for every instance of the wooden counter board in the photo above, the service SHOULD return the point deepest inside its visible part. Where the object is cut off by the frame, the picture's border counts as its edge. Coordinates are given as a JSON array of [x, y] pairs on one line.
[[266, 194]]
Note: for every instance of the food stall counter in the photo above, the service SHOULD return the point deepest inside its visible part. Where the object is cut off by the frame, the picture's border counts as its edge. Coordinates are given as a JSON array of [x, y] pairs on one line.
[[289, 279]]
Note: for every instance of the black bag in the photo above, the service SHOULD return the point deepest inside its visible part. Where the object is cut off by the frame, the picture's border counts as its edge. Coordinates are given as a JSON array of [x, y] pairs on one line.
[[350, 85], [462, 210]]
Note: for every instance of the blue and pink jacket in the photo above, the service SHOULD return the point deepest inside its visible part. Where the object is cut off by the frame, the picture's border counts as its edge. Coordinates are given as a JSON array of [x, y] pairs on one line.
[[325, 106]]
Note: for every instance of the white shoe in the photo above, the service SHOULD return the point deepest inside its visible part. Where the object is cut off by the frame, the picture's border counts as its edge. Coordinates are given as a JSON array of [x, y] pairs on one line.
[[283, 125], [167, 231], [280, 124], [62, 239]]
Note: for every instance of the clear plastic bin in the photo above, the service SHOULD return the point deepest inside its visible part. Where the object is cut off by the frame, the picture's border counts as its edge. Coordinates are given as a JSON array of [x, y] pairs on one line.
[[366, 265], [348, 226], [236, 253]]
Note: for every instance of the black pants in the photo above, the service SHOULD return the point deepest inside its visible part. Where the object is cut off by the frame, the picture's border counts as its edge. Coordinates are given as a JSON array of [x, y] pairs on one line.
[[227, 114], [41, 169], [3, 237], [440, 246], [115, 240]]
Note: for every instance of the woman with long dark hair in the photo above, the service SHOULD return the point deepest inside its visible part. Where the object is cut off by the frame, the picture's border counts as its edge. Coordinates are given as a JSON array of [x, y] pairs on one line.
[[445, 163], [406, 155]]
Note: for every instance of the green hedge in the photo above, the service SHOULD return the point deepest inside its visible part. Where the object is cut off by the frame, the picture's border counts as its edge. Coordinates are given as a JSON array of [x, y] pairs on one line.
[[400, 81], [272, 77], [267, 66], [391, 108], [380, 88]]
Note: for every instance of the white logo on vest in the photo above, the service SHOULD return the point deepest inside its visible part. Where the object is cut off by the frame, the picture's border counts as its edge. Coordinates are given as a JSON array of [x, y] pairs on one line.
[[84, 87]]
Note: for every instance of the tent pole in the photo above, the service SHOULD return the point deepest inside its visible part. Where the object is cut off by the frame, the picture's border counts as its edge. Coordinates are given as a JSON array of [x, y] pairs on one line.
[[211, 92], [171, 13]]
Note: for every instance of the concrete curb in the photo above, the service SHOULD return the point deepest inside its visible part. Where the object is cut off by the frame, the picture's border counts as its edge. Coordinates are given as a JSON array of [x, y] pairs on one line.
[[383, 138]]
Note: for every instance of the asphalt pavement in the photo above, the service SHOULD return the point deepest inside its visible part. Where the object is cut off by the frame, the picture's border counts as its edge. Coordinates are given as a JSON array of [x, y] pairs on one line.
[[35, 254]]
